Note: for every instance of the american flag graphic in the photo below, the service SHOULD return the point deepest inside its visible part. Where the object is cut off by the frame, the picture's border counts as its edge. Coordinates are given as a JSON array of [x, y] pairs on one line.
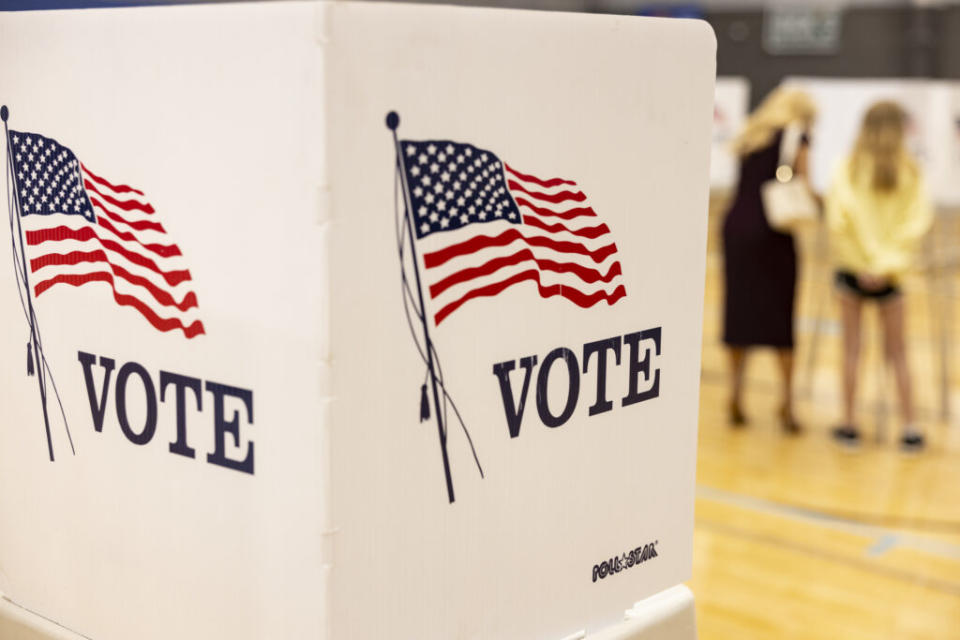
[[81, 228], [486, 226]]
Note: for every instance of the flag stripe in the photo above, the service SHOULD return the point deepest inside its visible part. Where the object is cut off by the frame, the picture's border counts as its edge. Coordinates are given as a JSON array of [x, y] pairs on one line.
[[584, 232], [161, 324], [118, 188], [491, 253], [162, 296], [122, 286], [67, 246], [478, 242], [573, 295], [555, 198], [547, 257], [551, 182], [55, 234], [162, 250], [568, 214], [586, 274], [547, 278], [139, 225], [126, 205]]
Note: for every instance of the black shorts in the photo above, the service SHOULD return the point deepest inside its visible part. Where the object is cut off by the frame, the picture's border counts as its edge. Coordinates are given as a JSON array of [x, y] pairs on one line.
[[848, 282]]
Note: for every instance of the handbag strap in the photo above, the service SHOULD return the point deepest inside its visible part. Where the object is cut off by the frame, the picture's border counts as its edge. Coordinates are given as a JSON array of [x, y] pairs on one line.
[[790, 145]]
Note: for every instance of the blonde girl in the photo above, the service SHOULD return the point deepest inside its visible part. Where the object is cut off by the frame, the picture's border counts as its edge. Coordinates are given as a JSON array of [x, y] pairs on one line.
[[877, 211]]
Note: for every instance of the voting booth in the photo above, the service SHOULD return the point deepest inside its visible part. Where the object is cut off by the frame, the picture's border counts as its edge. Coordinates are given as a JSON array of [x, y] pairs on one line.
[[350, 321]]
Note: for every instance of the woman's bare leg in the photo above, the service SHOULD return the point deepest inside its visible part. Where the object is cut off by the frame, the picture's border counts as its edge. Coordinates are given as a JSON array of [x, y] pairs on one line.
[[850, 313], [785, 358], [738, 360], [892, 316]]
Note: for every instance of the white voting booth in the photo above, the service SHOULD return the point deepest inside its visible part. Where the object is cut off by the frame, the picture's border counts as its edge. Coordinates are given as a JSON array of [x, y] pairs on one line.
[[350, 321]]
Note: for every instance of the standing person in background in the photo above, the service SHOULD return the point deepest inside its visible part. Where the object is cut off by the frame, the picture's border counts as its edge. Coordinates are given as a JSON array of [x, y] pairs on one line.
[[877, 212], [760, 263]]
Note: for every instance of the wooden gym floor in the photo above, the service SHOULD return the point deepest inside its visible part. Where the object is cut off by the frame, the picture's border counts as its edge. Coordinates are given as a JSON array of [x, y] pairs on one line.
[[796, 538]]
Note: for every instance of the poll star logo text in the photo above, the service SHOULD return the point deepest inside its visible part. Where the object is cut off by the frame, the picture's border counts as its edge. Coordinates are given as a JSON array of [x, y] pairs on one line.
[[625, 560]]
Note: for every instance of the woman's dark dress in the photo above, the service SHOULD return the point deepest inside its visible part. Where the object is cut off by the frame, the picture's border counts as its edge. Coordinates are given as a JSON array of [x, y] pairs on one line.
[[760, 269]]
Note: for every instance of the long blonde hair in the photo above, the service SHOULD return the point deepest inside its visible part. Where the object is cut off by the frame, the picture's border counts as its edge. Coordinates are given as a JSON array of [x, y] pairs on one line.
[[783, 106], [879, 148]]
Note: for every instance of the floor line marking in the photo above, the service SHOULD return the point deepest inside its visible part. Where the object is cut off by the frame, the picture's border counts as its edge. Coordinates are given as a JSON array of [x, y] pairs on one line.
[[904, 540], [952, 588], [882, 545]]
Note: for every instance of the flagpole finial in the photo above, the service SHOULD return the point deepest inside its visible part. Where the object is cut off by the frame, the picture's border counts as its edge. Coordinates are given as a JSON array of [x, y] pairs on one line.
[[393, 120], [4, 113]]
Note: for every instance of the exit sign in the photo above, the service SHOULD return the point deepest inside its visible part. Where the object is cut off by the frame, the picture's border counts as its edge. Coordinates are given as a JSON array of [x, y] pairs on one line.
[[801, 31]]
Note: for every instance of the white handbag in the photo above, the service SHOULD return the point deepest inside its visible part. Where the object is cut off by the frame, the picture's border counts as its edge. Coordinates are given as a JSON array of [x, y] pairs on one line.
[[787, 200]]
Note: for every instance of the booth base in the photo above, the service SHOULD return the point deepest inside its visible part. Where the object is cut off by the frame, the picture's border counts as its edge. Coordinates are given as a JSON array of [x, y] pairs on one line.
[[669, 615]]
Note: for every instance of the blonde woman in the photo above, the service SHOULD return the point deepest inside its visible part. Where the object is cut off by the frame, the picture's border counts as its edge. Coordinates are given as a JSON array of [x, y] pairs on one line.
[[877, 211], [760, 264]]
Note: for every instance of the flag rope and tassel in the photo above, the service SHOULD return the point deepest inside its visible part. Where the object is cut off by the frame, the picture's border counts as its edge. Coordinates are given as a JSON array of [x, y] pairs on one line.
[[456, 411], [424, 404]]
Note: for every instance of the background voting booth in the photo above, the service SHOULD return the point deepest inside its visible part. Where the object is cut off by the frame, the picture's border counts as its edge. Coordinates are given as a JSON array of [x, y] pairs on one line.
[[730, 108], [934, 109], [350, 321]]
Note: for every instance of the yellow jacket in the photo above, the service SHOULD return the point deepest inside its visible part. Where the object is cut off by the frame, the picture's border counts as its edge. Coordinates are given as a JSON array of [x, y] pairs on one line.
[[873, 232]]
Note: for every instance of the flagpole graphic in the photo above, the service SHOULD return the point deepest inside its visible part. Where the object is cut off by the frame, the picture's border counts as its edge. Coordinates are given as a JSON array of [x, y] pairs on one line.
[[393, 121], [36, 361], [428, 351]]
